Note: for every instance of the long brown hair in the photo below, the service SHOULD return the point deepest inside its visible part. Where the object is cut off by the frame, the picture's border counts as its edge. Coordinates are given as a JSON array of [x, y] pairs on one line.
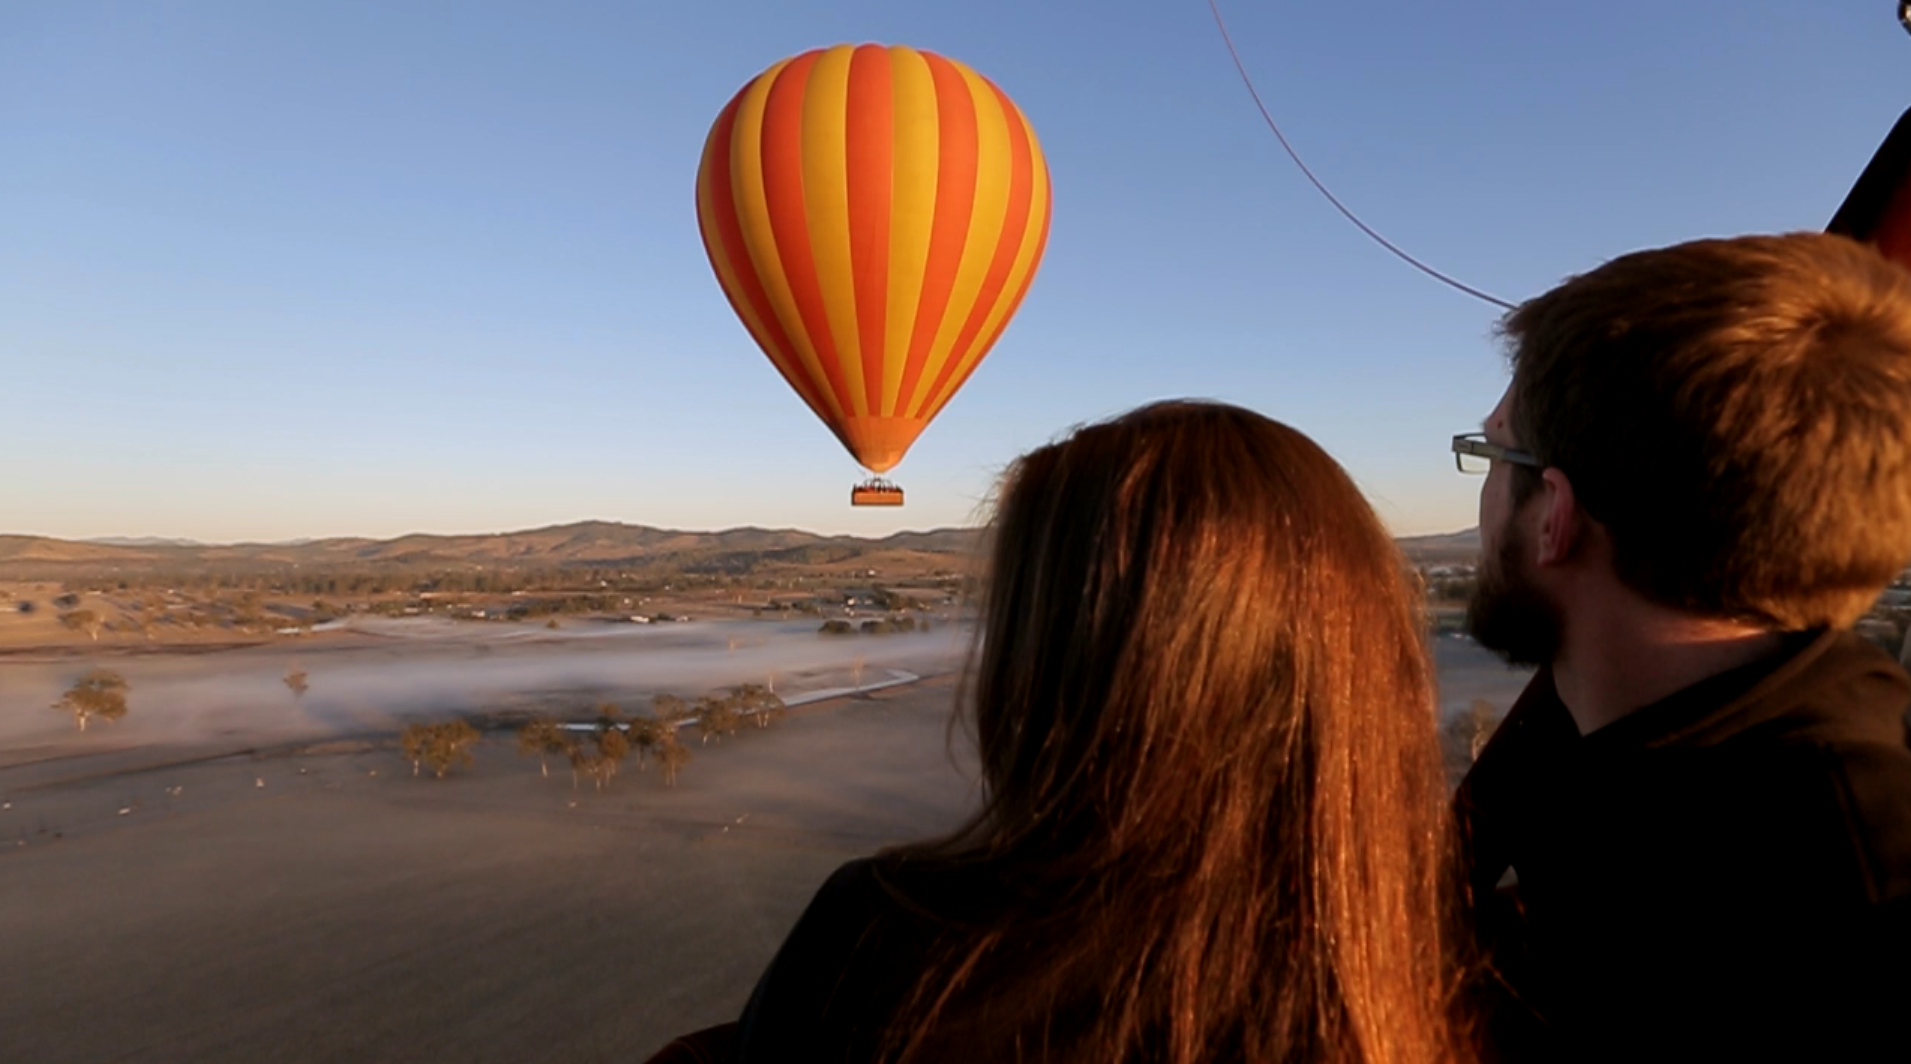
[[1213, 813]]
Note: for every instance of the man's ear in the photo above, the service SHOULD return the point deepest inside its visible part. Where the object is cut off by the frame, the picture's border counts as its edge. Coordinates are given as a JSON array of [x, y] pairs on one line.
[[1562, 527]]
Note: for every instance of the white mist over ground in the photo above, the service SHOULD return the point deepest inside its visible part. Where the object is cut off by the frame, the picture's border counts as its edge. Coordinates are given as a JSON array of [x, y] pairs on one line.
[[382, 673]]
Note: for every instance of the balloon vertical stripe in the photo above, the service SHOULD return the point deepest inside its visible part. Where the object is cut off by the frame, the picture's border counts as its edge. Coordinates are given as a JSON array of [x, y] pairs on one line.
[[955, 203], [825, 183], [753, 216], [1022, 275], [790, 225], [870, 149], [986, 213], [918, 162], [723, 242], [875, 216], [1013, 232]]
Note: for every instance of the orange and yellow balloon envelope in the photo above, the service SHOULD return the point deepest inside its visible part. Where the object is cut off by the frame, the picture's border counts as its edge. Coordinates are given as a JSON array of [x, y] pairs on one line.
[[875, 215]]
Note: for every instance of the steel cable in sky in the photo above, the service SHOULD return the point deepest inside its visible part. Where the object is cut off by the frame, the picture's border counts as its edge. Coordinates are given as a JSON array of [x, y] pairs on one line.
[[1266, 116]]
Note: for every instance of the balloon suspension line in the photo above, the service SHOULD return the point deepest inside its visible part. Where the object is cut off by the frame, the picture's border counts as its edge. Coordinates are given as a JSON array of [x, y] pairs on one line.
[[1228, 39]]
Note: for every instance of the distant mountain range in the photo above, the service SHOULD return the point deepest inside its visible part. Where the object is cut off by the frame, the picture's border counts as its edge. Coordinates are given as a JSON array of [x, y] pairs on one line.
[[1448, 548], [605, 544], [583, 544]]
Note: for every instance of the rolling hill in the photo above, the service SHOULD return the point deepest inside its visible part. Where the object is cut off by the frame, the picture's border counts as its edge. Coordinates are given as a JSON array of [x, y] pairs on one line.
[[1450, 548], [584, 544]]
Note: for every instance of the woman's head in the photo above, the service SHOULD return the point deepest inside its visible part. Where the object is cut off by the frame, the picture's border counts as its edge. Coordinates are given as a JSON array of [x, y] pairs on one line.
[[1206, 720], [1185, 608]]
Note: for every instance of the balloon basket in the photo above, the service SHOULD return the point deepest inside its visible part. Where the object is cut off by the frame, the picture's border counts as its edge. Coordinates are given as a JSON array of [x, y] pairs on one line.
[[876, 492]]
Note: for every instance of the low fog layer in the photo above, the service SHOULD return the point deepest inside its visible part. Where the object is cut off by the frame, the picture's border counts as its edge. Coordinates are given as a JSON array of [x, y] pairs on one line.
[[386, 672]]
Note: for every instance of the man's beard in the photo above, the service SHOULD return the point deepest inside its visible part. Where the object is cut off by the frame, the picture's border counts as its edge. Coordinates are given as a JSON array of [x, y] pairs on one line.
[[1507, 614]]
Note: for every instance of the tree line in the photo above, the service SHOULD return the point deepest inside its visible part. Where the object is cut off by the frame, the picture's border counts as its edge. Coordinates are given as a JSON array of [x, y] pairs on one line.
[[597, 751], [883, 626]]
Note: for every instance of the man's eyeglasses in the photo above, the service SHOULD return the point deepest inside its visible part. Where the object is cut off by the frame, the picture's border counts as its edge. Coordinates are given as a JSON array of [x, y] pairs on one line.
[[1473, 455]]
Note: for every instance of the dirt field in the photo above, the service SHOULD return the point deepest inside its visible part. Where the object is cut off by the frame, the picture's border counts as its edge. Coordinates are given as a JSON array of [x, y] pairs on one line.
[[163, 900], [328, 906]]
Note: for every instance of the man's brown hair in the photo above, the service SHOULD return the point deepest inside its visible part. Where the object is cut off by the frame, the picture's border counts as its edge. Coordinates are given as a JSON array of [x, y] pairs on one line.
[[1737, 414]]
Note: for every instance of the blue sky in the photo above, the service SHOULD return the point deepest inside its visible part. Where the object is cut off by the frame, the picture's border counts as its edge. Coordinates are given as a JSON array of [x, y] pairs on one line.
[[281, 270]]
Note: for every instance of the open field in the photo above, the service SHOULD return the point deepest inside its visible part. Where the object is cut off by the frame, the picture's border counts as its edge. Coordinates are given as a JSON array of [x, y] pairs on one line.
[[235, 872], [289, 906]]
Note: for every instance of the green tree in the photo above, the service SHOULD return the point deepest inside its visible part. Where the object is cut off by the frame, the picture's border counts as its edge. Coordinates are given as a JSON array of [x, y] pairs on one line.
[[716, 717], [673, 755], [612, 746], [297, 682], [438, 746], [669, 709], [415, 741], [97, 693], [762, 705], [646, 735], [545, 738], [584, 762]]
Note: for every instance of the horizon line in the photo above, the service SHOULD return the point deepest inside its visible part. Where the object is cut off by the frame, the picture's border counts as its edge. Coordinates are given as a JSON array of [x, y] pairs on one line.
[[300, 541]]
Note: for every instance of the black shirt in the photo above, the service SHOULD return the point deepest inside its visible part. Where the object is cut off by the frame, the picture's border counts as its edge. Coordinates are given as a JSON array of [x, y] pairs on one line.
[[853, 960], [1725, 874]]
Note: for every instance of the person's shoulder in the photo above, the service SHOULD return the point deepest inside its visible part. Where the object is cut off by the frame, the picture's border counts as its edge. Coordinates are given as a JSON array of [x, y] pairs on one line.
[[854, 892], [1872, 782], [1845, 797], [815, 999], [1840, 730], [852, 876], [1849, 694]]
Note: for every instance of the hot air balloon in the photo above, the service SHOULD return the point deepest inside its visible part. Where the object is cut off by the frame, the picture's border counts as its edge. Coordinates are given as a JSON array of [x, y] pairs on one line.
[[875, 215]]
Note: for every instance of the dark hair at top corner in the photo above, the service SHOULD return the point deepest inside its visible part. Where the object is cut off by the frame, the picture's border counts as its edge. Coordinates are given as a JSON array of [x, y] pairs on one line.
[[1194, 631], [1737, 414]]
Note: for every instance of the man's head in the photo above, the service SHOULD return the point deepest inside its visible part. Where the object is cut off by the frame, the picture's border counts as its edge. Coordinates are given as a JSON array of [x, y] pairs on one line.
[[1734, 418], [1510, 611]]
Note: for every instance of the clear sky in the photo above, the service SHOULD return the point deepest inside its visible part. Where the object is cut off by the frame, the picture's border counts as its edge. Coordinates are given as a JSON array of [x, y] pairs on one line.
[[312, 269]]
